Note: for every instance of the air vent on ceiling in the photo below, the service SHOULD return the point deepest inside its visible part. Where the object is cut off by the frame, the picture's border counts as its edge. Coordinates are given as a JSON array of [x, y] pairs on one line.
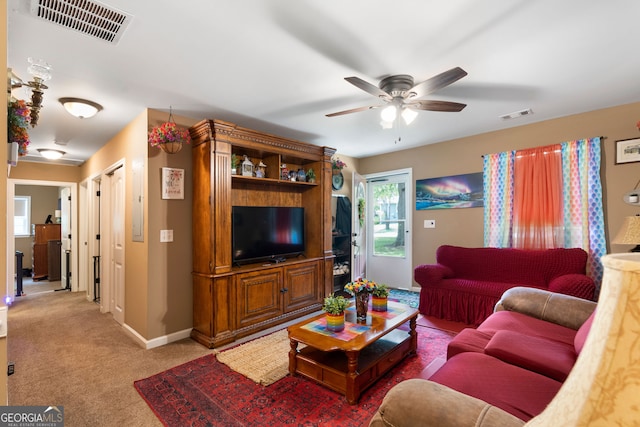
[[86, 16], [517, 114]]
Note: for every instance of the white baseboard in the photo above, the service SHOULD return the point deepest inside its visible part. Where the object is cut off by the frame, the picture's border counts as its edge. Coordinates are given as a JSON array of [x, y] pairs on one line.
[[156, 342]]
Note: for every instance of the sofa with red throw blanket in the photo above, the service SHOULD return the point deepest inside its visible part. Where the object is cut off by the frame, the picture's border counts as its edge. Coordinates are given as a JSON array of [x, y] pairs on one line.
[[465, 283]]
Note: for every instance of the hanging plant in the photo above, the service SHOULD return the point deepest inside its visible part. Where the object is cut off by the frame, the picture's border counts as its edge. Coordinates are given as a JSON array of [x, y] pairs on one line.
[[168, 136], [18, 119]]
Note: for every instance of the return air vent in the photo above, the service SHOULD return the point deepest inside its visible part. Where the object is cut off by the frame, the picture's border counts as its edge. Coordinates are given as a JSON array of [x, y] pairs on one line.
[[86, 16], [517, 114]]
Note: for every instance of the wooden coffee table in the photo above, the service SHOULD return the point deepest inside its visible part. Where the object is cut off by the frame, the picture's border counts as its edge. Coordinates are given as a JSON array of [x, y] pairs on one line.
[[350, 361]]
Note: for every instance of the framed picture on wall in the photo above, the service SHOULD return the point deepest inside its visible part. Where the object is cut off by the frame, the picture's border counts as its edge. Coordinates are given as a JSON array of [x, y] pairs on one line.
[[627, 151], [450, 192], [172, 183]]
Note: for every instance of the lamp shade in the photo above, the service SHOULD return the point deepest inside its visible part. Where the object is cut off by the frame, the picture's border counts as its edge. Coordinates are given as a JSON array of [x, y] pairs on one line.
[[629, 233], [604, 384]]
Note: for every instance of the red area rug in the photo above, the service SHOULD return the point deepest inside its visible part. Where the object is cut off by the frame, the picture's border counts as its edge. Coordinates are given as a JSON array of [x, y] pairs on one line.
[[205, 392]]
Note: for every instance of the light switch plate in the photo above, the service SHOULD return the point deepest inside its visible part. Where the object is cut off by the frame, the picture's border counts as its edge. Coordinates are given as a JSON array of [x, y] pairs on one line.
[[429, 223], [166, 236]]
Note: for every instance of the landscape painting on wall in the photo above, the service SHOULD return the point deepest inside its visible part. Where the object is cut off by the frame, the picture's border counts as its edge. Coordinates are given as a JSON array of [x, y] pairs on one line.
[[447, 192]]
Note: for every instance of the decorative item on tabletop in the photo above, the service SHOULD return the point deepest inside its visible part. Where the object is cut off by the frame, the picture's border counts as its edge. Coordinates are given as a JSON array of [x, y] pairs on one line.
[[360, 289], [311, 175], [261, 170], [379, 297], [302, 176], [247, 167], [284, 172], [168, 136], [18, 121], [334, 306]]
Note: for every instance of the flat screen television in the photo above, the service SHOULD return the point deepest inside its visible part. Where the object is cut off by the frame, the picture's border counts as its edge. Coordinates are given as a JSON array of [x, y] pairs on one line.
[[266, 233]]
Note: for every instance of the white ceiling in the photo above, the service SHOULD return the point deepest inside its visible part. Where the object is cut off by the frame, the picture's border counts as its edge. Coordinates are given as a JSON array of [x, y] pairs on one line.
[[279, 65]]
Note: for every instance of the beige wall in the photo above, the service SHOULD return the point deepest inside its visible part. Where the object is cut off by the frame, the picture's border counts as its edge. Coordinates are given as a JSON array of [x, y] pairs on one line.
[[464, 227], [158, 295], [45, 172]]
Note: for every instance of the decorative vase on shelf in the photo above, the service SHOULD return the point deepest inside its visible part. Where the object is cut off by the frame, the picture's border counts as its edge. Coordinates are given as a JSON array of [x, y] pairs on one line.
[[362, 305], [335, 322], [378, 303]]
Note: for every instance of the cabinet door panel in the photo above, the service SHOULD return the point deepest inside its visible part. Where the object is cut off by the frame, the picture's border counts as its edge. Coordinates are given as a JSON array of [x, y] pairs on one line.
[[302, 284], [259, 296]]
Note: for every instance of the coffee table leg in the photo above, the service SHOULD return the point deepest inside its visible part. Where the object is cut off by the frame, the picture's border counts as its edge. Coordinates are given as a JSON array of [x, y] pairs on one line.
[[352, 375], [414, 335], [292, 356]]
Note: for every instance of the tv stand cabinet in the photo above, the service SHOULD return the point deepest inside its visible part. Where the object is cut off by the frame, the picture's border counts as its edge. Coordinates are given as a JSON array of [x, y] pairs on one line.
[[230, 301]]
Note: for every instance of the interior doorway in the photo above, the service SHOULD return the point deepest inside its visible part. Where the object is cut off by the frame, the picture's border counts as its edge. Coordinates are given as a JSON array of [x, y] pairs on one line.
[[70, 262]]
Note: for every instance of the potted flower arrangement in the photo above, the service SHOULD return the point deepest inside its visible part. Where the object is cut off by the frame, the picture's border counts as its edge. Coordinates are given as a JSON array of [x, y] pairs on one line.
[[334, 306], [360, 289], [337, 165], [379, 297], [18, 119], [169, 137]]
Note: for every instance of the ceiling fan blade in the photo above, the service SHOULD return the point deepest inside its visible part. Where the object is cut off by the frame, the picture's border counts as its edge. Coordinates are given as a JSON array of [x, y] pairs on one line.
[[431, 105], [368, 87], [438, 82], [353, 110]]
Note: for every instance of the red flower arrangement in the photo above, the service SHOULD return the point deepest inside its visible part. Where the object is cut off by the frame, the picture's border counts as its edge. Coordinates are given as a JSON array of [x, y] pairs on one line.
[[168, 132], [18, 120], [338, 164]]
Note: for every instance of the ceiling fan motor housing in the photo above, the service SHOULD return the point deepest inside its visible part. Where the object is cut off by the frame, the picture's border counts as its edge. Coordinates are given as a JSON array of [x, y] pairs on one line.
[[398, 86]]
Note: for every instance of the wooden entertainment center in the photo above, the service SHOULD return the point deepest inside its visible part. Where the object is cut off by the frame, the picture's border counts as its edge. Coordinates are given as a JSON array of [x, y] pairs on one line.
[[231, 301]]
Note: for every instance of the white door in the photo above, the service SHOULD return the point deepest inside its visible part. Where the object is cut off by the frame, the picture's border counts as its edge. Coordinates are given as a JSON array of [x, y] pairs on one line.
[[358, 227], [65, 235], [117, 197], [389, 208]]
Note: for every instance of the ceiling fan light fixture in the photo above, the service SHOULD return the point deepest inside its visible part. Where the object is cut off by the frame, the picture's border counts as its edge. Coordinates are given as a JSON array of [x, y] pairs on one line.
[[51, 154], [80, 108], [386, 125], [409, 115], [388, 114]]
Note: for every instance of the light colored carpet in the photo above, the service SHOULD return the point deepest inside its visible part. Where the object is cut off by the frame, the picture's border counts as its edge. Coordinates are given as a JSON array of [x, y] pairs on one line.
[[264, 360]]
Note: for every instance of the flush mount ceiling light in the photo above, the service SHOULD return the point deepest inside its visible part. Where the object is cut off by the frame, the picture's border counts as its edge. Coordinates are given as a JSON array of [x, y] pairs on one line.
[[51, 154], [81, 108]]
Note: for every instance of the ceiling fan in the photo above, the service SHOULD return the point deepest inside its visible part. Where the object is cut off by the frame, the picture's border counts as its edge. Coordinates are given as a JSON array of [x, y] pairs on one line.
[[402, 96]]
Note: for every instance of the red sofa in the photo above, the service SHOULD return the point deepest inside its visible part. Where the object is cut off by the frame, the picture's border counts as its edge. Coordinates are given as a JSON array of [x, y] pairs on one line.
[[516, 361], [465, 283]]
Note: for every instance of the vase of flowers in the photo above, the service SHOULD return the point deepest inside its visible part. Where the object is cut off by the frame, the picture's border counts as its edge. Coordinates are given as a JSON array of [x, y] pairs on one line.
[[169, 137], [337, 165], [334, 306], [18, 119], [361, 289], [379, 297]]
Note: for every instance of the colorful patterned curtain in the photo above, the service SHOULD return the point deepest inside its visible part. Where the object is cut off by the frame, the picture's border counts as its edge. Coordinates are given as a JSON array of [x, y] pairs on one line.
[[582, 200], [498, 199]]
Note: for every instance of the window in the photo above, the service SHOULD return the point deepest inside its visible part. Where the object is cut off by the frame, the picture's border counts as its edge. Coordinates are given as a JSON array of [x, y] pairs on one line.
[[22, 216]]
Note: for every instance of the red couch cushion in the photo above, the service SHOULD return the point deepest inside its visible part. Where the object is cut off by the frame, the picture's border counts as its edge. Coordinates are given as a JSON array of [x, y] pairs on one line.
[[547, 357], [518, 391], [514, 321], [581, 335]]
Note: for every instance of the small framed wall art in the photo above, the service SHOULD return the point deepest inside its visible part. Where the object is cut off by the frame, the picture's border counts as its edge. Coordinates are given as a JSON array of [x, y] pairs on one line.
[[627, 151], [172, 183]]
